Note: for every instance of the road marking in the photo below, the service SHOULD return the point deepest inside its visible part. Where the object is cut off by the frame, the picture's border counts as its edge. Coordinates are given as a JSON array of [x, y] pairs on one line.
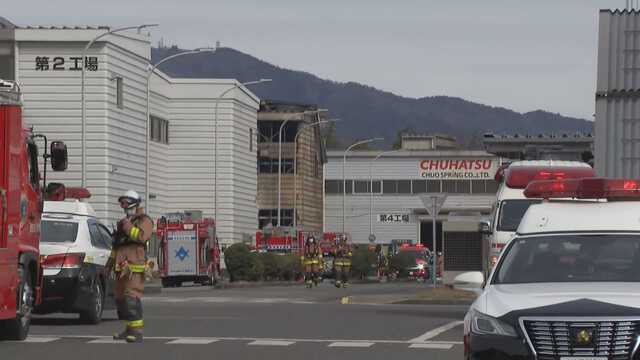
[[108, 339], [190, 341], [35, 339], [431, 346], [351, 344], [271, 343], [435, 332]]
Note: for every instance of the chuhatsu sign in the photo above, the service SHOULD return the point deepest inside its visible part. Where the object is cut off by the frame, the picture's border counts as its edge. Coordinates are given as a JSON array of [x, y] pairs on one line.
[[458, 169]]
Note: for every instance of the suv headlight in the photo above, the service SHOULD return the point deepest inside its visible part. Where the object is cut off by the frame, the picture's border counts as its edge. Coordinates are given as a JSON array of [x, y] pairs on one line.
[[483, 324]]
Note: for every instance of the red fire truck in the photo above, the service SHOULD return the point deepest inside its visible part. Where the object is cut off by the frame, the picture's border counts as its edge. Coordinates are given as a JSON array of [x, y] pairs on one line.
[[21, 200], [188, 249], [279, 240]]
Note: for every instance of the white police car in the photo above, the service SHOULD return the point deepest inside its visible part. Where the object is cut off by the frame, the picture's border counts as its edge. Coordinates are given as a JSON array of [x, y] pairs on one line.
[[568, 285], [74, 248]]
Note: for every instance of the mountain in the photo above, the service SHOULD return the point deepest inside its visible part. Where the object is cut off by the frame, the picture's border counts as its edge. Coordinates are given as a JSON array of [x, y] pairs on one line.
[[366, 111]]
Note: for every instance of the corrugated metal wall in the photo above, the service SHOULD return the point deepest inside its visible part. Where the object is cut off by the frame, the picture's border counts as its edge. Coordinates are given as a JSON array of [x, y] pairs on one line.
[[181, 172], [617, 127]]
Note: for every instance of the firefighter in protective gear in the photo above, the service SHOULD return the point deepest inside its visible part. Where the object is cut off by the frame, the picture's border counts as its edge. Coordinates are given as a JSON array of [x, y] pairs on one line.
[[342, 262], [129, 262], [311, 261]]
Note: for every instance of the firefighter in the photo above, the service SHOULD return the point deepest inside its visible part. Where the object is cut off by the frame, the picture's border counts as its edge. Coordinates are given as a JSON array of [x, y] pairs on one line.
[[342, 262], [129, 263], [311, 261]]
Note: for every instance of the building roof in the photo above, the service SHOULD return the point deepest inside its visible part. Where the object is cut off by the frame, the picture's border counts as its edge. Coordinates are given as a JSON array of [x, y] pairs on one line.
[[411, 153], [285, 106]]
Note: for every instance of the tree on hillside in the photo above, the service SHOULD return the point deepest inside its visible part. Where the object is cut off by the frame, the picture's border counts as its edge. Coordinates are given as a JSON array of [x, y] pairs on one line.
[[397, 144]]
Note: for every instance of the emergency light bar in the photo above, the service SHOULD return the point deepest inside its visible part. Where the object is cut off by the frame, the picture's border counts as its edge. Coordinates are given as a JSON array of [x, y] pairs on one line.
[[588, 188], [520, 177]]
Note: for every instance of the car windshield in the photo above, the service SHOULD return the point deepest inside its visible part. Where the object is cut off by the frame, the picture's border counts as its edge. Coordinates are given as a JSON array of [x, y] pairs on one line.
[[571, 258], [58, 231], [417, 254], [511, 212]]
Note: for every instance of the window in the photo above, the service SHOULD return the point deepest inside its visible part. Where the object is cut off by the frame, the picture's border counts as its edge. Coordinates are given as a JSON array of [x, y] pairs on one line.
[[333, 186], [266, 216], [448, 186], [159, 130], [106, 236], [58, 231], [270, 166], [433, 186], [571, 258], [119, 92], [361, 186], [511, 212], [96, 237], [32, 150], [419, 186], [390, 186], [478, 186], [404, 186], [463, 186], [377, 186], [492, 186], [268, 131]]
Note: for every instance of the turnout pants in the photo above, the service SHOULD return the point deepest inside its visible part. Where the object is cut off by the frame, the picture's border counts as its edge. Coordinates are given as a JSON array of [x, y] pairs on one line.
[[128, 294]]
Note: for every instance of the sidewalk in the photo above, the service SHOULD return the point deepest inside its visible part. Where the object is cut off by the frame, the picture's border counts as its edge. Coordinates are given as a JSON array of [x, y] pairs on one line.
[[430, 296]]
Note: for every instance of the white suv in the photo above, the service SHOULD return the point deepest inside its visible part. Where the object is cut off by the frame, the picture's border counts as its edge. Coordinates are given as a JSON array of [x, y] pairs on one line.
[[74, 248]]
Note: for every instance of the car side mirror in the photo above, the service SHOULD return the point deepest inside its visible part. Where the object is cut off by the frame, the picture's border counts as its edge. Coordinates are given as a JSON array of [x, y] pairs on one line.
[[485, 227], [58, 156], [471, 280]]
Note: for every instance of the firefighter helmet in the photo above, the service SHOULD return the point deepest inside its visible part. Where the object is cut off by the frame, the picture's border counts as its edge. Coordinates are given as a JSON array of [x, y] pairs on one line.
[[131, 198]]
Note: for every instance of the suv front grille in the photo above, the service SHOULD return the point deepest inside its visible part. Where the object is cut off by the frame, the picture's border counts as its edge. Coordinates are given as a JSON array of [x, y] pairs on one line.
[[552, 339]]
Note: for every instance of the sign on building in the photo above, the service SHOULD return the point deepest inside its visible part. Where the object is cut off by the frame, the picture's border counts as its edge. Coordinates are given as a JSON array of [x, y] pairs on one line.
[[458, 169], [71, 63], [393, 218]]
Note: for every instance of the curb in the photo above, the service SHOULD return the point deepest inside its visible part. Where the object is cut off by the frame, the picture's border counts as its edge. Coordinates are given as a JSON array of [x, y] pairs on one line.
[[434, 302]]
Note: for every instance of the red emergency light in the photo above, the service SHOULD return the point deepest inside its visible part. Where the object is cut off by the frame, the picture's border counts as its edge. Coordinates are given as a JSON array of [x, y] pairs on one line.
[[588, 188], [520, 177]]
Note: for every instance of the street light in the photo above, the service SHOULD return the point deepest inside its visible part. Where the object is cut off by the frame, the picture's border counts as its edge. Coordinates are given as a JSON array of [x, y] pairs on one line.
[[152, 69], [215, 141], [371, 189], [295, 170], [280, 157], [82, 90], [344, 180]]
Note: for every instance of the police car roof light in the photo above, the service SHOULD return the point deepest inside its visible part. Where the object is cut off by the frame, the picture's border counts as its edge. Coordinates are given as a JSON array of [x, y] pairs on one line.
[[520, 177], [588, 188], [77, 193]]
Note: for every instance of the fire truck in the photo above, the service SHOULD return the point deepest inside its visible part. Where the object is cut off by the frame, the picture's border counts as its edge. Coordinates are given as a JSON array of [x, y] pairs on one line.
[[22, 192], [188, 249], [279, 240]]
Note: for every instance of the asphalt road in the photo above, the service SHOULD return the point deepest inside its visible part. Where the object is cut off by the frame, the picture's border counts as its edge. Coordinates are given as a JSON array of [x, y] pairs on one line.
[[259, 323]]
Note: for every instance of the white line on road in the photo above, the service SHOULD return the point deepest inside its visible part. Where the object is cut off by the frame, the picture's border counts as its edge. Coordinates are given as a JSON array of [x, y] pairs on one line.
[[188, 341], [435, 332], [105, 340], [431, 346], [108, 339], [271, 343], [352, 344], [34, 339]]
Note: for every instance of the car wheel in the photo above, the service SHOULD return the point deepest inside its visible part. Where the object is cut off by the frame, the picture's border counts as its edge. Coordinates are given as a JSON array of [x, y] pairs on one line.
[[94, 314], [18, 328]]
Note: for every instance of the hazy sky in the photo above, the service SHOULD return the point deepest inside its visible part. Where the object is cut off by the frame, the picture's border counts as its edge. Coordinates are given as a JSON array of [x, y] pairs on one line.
[[523, 55]]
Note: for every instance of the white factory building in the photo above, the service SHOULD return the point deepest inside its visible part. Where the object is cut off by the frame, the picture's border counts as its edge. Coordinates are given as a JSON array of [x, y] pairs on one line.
[[46, 62], [395, 212]]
